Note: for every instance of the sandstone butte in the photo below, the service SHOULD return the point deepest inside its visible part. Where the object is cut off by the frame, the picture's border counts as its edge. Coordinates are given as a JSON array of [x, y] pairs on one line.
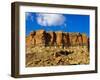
[[58, 38]]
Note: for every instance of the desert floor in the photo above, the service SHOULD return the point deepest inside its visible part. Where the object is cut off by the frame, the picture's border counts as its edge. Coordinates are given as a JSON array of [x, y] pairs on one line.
[[50, 56]]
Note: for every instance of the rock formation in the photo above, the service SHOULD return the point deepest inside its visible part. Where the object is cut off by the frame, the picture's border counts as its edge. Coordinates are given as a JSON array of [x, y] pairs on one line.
[[56, 48], [51, 38], [58, 38]]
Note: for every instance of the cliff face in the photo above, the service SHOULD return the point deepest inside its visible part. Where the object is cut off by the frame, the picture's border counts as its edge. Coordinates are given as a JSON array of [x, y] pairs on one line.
[[59, 38]]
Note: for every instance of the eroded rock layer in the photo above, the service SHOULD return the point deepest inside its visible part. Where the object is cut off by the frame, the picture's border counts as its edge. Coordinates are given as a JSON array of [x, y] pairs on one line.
[[58, 38]]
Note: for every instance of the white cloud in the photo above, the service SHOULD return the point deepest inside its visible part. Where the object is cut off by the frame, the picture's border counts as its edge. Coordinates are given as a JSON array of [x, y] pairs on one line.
[[50, 19]]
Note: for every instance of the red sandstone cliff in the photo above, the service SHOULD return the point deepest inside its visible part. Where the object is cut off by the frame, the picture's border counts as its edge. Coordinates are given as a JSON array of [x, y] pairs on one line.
[[58, 38]]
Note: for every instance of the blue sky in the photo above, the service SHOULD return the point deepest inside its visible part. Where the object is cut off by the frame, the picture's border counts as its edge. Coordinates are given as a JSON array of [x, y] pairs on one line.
[[57, 22]]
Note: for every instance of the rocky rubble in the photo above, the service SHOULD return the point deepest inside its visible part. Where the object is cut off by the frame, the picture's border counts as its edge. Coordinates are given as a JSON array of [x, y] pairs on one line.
[[57, 56]]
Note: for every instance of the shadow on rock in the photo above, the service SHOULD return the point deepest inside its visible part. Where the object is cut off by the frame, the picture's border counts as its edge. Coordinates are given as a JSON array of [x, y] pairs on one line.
[[65, 53]]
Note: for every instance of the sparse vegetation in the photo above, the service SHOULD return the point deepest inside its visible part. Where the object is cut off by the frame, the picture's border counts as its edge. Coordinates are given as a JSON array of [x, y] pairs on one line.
[[50, 56]]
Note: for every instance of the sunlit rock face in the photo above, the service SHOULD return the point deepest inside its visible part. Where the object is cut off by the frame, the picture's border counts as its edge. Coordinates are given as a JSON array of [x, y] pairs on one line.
[[58, 38]]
